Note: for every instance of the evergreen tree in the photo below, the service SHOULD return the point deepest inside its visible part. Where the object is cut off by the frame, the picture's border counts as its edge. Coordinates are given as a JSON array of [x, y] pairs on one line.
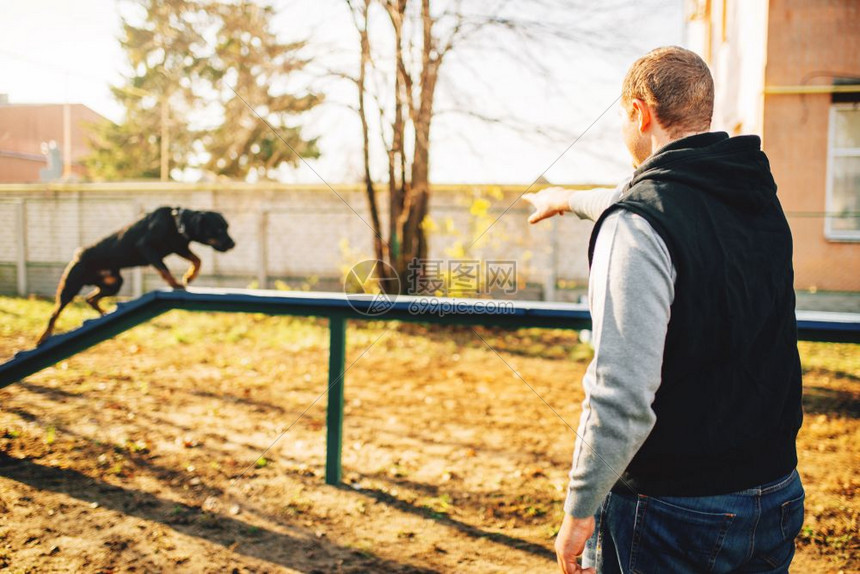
[[250, 70], [165, 52], [184, 57]]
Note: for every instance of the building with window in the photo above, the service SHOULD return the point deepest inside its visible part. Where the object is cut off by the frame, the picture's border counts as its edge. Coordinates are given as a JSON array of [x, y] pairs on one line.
[[789, 71]]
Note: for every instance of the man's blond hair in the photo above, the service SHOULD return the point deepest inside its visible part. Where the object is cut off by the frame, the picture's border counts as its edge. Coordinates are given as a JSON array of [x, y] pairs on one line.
[[677, 85]]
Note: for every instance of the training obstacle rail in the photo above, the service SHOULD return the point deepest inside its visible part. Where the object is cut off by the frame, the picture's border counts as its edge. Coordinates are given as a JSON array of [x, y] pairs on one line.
[[338, 309]]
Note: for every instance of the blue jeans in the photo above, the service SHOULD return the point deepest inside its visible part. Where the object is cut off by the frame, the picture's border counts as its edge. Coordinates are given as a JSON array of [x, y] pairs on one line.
[[748, 531]]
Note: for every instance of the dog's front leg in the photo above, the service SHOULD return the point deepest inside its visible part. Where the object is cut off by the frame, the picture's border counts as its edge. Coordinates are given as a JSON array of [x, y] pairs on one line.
[[154, 259], [169, 278], [193, 270]]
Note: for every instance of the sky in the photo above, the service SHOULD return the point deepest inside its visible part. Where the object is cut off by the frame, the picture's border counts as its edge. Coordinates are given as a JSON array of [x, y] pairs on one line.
[[54, 51]]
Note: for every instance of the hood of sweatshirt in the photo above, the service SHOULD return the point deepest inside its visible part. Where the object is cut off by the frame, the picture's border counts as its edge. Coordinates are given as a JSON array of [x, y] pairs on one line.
[[732, 169]]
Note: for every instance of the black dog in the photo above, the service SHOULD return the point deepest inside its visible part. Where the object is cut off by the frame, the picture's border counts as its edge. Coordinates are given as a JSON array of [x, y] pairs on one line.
[[145, 242]]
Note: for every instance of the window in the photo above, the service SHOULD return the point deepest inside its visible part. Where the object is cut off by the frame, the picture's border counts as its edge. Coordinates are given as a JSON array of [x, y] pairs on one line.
[[843, 174]]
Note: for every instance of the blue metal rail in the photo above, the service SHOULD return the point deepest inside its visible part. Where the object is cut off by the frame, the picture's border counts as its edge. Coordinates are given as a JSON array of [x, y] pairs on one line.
[[339, 308]]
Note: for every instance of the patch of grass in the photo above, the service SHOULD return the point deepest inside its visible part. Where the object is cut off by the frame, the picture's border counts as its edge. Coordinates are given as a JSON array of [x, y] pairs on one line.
[[30, 315], [834, 357], [50, 435], [297, 507], [363, 548], [137, 446], [438, 507], [534, 511]]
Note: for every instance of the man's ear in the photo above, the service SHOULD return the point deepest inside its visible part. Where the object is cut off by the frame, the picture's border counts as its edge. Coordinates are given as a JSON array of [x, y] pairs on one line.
[[644, 112]]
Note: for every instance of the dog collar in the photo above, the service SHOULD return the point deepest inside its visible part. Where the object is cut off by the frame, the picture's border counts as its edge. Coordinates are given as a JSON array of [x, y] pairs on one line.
[[177, 219]]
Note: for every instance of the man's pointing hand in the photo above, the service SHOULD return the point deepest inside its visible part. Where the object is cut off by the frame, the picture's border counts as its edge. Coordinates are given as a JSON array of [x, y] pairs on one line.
[[548, 202]]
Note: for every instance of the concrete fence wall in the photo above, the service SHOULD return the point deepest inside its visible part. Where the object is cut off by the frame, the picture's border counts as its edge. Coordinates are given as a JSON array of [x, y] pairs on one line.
[[303, 236]]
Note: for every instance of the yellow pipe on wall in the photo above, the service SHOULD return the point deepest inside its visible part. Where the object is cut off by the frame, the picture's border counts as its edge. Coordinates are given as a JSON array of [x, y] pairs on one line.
[[838, 89]]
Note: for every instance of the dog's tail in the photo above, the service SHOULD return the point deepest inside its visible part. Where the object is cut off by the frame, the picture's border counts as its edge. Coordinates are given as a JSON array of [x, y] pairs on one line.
[[71, 282]]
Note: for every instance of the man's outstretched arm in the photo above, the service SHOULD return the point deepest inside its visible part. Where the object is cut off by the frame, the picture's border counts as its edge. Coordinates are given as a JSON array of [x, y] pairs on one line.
[[585, 204]]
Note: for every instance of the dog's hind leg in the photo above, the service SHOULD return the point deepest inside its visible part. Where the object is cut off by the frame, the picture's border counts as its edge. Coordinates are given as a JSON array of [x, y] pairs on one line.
[[93, 298], [108, 284], [49, 330], [74, 277]]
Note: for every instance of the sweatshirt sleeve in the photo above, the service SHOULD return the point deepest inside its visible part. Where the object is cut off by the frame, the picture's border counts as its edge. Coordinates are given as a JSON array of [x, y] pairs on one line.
[[631, 290], [590, 203]]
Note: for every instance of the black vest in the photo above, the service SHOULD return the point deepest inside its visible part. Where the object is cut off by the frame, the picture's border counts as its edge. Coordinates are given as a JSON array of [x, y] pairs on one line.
[[729, 403]]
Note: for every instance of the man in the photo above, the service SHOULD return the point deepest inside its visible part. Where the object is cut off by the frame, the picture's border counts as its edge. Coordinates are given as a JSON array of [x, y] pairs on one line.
[[685, 454]]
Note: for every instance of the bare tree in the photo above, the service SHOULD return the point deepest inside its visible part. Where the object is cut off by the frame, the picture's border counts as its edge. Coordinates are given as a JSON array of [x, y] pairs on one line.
[[400, 81], [362, 18]]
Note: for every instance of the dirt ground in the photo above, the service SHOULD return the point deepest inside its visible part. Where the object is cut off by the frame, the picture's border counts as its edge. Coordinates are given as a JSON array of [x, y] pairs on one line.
[[146, 453]]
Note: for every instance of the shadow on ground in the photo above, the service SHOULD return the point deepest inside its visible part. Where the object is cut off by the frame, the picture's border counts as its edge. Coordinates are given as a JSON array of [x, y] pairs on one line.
[[824, 401], [284, 549]]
